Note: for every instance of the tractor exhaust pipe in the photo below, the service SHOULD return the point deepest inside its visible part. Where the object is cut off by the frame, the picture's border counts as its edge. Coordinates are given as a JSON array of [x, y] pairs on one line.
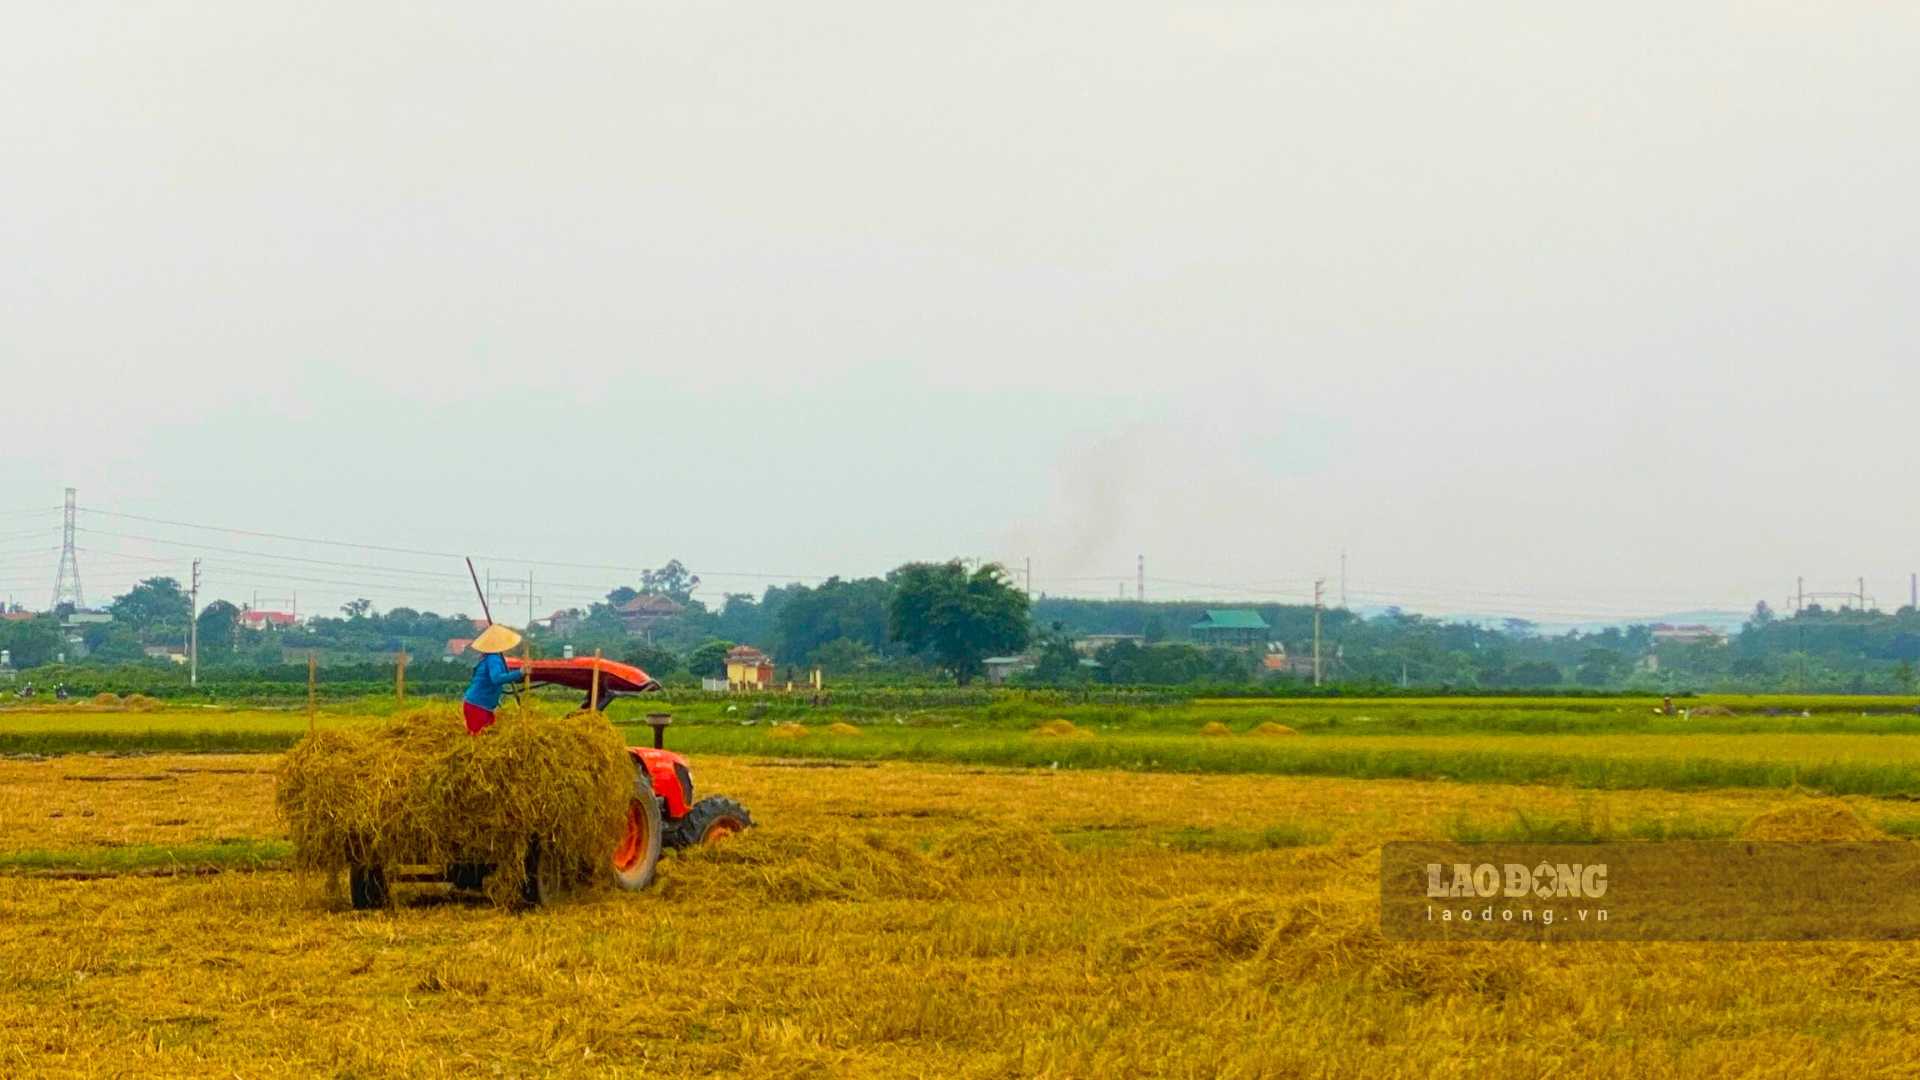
[[659, 721]]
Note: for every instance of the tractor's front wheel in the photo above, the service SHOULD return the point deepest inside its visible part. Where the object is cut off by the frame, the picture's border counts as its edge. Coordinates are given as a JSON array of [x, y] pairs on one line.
[[639, 851], [715, 817]]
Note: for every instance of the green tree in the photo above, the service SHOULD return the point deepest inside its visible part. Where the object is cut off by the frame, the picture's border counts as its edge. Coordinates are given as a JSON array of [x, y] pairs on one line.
[[1598, 667], [810, 618], [709, 661], [118, 644], [672, 580], [1534, 673], [843, 656], [957, 617], [32, 642], [155, 606], [356, 609], [1058, 664], [652, 659], [219, 624]]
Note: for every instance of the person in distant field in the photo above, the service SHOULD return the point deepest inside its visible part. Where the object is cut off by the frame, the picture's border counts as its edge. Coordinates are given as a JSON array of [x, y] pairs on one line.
[[490, 677]]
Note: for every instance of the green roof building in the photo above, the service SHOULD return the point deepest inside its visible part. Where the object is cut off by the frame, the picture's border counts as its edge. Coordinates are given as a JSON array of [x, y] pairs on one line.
[[1231, 626]]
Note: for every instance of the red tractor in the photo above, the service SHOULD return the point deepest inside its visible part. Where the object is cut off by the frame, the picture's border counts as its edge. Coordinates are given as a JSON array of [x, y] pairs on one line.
[[662, 813]]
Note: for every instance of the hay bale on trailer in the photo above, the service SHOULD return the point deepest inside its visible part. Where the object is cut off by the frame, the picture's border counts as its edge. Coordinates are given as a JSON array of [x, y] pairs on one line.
[[531, 793]]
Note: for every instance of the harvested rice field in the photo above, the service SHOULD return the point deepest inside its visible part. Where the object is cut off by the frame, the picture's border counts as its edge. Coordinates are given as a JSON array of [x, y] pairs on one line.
[[905, 918]]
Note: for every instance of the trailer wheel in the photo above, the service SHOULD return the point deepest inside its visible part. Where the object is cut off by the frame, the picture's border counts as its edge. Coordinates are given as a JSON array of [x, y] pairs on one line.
[[367, 887], [638, 855], [533, 891], [713, 818]]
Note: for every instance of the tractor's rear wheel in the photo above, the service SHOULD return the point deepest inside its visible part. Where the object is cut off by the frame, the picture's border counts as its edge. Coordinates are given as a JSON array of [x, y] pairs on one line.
[[367, 887], [713, 818], [639, 851]]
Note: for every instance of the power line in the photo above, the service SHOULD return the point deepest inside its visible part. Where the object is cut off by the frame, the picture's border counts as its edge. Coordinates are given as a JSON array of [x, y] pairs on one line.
[[196, 546], [452, 555], [592, 591]]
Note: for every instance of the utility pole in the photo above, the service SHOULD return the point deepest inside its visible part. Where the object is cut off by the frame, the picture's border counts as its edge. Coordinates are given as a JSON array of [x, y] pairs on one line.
[[66, 582], [529, 599], [1029, 577], [1140, 578], [193, 629], [1318, 584], [1799, 594], [1862, 582]]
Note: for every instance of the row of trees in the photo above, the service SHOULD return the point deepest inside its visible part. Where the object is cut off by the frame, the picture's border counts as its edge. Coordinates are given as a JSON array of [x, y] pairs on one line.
[[926, 620]]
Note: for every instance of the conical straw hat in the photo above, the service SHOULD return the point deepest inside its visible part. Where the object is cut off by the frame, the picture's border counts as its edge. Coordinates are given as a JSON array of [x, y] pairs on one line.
[[495, 638]]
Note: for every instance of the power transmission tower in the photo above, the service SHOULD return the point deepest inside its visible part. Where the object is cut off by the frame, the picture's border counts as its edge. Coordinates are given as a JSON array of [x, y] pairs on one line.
[[1140, 578], [1029, 578], [193, 628], [1318, 585], [66, 584]]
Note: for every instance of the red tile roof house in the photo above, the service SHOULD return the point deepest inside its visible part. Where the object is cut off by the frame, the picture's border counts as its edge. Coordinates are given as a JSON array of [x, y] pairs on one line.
[[260, 620], [643, 612]]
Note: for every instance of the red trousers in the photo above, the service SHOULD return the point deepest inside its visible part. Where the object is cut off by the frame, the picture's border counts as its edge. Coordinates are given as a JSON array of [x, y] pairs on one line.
[[478, 719]]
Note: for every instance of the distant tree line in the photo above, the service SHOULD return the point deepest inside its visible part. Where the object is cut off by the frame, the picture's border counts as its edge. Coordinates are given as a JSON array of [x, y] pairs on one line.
[[940, 621]]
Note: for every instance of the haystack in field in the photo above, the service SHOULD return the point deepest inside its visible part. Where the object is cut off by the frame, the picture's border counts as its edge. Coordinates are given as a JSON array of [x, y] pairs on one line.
[[1215, 727], [1811, 819], [842, 728], [1061, 729], [421, 791], [104, 699], [1271, 728], [786, 731]]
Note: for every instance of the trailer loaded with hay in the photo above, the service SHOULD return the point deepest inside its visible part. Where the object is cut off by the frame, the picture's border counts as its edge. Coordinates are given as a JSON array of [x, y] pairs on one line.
[[529, 808]]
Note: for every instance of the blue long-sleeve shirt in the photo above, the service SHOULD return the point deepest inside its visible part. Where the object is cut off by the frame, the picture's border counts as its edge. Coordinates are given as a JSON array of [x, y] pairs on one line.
[[490, 677]]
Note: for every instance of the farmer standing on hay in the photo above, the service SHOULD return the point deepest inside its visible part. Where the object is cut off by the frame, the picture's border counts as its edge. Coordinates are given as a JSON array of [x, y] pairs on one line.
[[490, 677]]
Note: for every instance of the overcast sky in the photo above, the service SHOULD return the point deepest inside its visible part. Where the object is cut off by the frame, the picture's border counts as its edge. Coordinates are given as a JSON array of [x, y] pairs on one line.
[[1562, 309]]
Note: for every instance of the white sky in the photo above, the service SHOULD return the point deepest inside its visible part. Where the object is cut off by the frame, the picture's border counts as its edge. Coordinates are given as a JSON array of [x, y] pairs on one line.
[[1564, 309]]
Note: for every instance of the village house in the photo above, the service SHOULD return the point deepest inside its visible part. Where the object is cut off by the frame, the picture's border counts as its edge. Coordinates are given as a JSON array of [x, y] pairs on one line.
[[255, 619], [563, 623], [1231, 626], [748, 668], [646, 611]]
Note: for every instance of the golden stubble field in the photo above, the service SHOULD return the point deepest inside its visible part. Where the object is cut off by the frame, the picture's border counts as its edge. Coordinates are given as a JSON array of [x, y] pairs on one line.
[[895, 920]]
